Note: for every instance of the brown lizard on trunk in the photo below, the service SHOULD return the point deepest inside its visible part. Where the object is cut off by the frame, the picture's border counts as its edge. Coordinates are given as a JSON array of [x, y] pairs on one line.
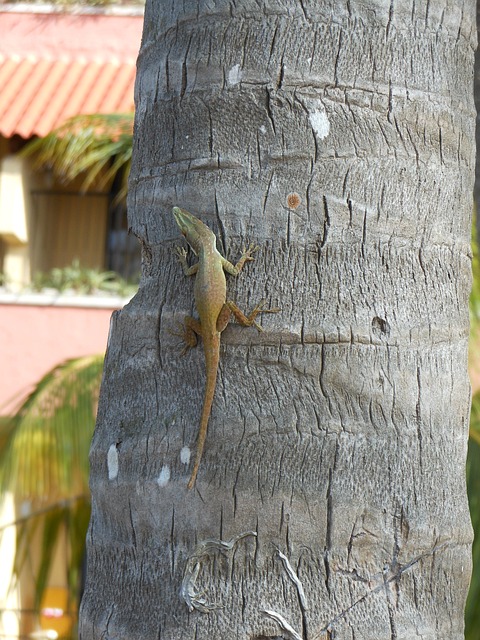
[[214, 310]]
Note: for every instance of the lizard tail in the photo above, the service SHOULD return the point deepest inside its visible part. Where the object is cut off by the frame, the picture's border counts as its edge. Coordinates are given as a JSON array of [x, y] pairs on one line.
[[212, 357]]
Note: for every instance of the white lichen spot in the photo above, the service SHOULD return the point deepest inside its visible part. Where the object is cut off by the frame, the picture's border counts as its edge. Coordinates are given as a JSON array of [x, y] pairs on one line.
[[164, 476], [320, 123], [234, 75], [112, 462], [185, 455], [263, 129]]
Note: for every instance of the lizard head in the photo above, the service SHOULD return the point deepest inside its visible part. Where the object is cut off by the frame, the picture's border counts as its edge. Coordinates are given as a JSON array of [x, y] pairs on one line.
[[196, 233]]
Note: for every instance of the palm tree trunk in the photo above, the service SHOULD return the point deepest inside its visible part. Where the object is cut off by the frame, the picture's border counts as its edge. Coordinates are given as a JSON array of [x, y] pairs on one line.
[[330, 502]]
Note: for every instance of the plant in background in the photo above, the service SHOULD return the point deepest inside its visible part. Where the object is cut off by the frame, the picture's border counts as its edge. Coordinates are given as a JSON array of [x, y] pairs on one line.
[[472, 610], [98, 146], [475, 293], [97, 149], [83, 280], [44, 465]]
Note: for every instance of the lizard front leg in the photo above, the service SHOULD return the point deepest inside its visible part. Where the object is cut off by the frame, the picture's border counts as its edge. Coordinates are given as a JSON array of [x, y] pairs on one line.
[[181, 254], [234, 270]]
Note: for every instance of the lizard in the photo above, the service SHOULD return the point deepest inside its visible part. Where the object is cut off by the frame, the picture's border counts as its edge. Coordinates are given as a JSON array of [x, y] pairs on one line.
[[214, 310]]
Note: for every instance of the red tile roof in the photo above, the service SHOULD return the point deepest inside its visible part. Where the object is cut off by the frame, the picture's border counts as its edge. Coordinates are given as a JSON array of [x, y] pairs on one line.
[[53, 66]]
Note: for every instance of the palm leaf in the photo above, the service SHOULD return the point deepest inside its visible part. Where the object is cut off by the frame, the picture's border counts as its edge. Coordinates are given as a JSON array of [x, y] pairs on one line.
[[78, 518], [52, 528], [6, 427], [97, 146], [46, 456], [475, 293], [45, 463], [472, 610]]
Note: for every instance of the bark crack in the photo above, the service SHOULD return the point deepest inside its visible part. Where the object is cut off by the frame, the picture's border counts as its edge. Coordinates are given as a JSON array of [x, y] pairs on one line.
[[326, 223], [328, 535], [418, 415], [386, 581], [390, 606]]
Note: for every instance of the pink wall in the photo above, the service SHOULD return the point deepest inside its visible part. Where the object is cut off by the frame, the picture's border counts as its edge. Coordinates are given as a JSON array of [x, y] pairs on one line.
[[35, 338]]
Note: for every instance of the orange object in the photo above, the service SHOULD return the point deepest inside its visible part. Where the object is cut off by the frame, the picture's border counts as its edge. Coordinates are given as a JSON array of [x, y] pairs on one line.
[[54, 615], [54, 66]]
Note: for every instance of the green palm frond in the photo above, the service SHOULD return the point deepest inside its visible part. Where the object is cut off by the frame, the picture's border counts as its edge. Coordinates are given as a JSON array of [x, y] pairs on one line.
[[67, 519], [6, 427], [78, 517], [44, 464], [97, 146], [46, 457], [52, 528], [472, 610], [475, 293]]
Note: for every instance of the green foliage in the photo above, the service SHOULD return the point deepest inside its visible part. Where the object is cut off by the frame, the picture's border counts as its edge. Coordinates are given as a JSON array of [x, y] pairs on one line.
[[46, 456], [472, 610], [83, 280], [97, 146], [475, 293], [6, 427], [44, 463]]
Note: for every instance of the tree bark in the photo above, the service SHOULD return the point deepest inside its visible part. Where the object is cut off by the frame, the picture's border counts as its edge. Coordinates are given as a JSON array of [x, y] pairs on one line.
[[331, 499], [476, 93]]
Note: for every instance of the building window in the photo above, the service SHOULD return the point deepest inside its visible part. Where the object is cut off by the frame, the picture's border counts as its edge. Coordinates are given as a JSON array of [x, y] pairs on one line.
[[123, 248], [123, 253]]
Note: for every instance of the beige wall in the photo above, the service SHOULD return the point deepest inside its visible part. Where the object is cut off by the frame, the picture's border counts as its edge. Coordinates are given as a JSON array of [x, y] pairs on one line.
[[44, 224]]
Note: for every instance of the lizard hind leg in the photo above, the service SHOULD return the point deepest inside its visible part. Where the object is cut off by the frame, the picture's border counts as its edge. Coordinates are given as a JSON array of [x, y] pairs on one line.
[[188, 332], [223, 317], [248, 321]]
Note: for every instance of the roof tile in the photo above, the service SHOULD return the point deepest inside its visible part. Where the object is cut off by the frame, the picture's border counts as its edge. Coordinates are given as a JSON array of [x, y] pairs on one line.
[[38, 92]]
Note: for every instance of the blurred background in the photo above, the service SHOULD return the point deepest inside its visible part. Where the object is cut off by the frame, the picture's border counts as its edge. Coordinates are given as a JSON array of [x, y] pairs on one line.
[[67, 261]]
